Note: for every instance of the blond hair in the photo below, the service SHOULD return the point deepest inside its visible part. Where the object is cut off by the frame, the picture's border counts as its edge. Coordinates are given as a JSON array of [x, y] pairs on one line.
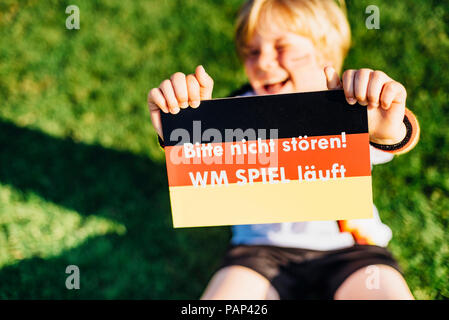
[[322, 21]]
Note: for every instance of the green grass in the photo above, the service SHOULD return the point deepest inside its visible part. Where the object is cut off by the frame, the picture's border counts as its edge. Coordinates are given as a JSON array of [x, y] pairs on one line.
[[82, 180]]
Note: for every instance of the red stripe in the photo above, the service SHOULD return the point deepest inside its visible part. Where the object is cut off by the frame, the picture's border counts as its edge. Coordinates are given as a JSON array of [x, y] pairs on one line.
[[354, 157]]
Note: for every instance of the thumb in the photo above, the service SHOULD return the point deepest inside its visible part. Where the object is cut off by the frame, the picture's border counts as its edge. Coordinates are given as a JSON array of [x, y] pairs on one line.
[[332, 78], [156, 121], [206, 83]]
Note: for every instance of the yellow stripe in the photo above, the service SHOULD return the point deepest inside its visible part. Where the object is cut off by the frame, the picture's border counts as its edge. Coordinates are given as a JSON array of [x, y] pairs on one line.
[[339, 199]]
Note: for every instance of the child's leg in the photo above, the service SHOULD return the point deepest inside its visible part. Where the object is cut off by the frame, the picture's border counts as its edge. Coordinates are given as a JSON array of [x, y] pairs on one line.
[[239, 283], [374, 282]]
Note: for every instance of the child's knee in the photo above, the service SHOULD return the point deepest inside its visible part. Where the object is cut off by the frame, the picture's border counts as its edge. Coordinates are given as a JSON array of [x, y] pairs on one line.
[[374, 282]]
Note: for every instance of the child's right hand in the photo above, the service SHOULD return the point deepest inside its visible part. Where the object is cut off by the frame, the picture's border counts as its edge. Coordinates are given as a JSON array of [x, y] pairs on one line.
[[177, 93]]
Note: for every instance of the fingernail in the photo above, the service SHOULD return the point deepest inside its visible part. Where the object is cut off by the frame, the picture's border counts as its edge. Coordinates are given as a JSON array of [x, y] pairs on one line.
[[184, 104], [202, 68], [352, 100], [175, 109], [195, 104]]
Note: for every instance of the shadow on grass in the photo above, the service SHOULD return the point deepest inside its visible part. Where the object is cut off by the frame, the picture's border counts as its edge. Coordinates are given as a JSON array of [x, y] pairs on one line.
[[152, 260], [89, 179]]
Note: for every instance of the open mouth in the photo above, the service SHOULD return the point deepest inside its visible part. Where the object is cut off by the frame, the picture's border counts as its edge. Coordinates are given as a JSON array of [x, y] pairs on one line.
[[275, 87]]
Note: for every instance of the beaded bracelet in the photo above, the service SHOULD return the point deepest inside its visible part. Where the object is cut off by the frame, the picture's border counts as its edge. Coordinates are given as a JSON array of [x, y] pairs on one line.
[[399, 145]]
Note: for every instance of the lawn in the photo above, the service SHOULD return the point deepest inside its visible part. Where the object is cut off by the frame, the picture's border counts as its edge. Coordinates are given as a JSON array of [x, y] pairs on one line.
[[83, 181]]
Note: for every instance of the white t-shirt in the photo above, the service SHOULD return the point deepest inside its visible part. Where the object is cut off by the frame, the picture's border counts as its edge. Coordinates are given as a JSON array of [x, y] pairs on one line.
[[319, 235]]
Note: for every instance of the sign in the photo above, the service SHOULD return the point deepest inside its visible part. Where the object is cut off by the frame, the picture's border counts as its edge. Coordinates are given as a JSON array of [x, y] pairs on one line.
[[268, 159]]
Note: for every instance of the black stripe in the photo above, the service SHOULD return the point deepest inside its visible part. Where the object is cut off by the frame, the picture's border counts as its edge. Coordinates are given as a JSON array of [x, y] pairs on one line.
[[295, 114]]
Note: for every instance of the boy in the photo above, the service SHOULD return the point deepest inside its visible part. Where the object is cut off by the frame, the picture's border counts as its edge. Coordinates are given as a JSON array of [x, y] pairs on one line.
[[299, 46]]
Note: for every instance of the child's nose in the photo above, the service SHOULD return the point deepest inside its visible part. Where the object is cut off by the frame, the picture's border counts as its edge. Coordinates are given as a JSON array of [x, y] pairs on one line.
[[267, 60]]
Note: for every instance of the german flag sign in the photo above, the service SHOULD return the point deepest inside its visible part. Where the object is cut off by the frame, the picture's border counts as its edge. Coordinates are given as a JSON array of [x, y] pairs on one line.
[[268, 159]]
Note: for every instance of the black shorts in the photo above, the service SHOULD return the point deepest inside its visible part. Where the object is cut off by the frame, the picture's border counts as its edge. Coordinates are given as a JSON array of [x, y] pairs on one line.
[[307, 274]]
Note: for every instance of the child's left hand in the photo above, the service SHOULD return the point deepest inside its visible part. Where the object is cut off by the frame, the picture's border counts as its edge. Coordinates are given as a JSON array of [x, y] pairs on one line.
[[384, 98]]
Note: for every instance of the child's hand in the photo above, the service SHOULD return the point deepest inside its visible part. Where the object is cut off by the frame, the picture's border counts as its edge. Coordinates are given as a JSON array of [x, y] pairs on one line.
[[177, 93], [384, 97]]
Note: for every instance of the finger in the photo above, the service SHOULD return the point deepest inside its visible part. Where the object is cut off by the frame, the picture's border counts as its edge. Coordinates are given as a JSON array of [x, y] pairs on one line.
[[169, 95], [193, 89], [375, 85], [157, 123], [391, 93], [361, 79], [180, 87], [206, 83], [157, 101], [348, 86], [332, 78]]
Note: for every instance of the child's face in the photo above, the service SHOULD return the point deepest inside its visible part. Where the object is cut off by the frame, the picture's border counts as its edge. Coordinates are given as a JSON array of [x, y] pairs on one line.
[[283, 62]]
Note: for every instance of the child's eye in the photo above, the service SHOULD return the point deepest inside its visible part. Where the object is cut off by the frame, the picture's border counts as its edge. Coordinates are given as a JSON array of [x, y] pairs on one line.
[[281, 48], [253, 52], [301, 58]]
